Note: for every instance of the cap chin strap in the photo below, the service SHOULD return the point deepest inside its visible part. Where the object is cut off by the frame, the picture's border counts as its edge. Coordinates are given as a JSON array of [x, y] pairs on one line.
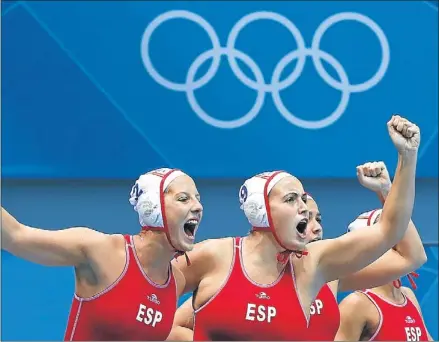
[[283, 256], [397, 283]]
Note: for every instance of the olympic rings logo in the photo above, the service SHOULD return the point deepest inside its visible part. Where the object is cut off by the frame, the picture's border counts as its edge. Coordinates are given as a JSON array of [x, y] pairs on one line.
[[259, 84]]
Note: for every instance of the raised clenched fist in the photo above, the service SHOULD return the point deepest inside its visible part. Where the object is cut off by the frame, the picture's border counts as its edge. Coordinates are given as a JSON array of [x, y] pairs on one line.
[[374, 176], [405, 135]]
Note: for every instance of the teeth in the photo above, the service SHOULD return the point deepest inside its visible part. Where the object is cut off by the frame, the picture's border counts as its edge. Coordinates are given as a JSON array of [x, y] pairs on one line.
[[192, 222]]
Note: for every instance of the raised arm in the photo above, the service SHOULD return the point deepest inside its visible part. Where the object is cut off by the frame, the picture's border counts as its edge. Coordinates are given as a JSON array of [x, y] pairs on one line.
[[405, 257], [67, 247], [349, 253], [410, 248], [392, 265]]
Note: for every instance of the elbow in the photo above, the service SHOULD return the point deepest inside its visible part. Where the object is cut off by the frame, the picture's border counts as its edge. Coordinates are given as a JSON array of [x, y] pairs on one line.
[[420, 259], [416, 259]]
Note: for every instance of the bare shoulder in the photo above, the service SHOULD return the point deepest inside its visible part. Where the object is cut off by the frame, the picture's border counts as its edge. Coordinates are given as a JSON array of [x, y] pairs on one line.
[[407, 291], [85, 236], [96, 239], [214, 248], [102, 246], [361, 306], [116, 240], [215, 244], [354, 299], [355, 303], [410, 294], [206, 256], [357, 316], [219, 246]]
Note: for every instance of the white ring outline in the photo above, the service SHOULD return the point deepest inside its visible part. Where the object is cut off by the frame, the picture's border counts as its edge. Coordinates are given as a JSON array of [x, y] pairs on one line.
[[289, 25], [308, 124], [373, 26], [251, 114], [260, 86], [164, 17]]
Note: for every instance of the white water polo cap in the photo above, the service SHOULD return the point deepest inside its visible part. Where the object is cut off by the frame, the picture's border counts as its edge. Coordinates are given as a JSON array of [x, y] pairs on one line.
[[147, 198], [253, 196], [366, 219]]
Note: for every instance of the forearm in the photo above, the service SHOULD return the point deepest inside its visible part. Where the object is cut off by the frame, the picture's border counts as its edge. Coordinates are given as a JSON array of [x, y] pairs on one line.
[[385, 190], [398, 206], [410, 247]]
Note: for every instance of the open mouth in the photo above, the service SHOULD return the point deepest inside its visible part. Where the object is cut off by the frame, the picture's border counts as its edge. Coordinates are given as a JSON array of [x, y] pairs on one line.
[[301, 226], [190, 227]]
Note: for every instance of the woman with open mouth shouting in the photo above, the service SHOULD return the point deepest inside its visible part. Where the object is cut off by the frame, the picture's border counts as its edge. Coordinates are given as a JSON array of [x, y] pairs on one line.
[[261, 287], [126, 288]]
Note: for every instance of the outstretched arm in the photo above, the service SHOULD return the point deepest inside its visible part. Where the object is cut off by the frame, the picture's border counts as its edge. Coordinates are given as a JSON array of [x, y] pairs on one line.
[[67, 247]]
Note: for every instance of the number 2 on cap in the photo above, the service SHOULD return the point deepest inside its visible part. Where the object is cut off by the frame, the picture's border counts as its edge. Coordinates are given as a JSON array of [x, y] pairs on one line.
[[136, 191]]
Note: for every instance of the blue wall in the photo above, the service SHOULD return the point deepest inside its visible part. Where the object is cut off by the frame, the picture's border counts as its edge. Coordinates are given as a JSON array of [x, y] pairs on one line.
[[83, 62], [45, 293], [80, 101]]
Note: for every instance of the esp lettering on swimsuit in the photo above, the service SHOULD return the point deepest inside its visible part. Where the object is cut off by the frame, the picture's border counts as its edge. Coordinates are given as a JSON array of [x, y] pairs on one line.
[[260, 312], [413, 333], [267, 313], [149, 316], [316, 307]]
